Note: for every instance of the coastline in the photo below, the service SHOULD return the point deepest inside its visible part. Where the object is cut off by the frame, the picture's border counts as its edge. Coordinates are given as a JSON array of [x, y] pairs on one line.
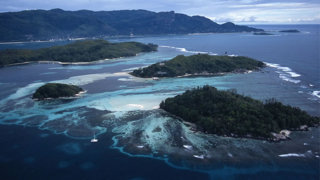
[[55, 62], [86, 56], [121, 36], [78, 95], [201, 74], [43, 41], [283, 135], [65, 63]]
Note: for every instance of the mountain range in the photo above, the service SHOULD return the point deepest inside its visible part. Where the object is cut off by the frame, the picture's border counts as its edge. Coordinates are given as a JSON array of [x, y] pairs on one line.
[[57, 23]]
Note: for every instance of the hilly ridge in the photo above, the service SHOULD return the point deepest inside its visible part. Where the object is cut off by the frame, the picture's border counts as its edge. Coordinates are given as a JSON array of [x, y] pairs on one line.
[[57, 23]]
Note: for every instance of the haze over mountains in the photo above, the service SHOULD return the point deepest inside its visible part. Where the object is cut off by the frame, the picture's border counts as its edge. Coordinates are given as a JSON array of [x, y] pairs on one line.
[[57, 23]]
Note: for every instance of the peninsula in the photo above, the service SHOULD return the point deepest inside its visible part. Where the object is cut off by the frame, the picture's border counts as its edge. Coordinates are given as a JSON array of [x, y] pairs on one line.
[[56, 90], [200, 64], [79, 51], [231, 114]]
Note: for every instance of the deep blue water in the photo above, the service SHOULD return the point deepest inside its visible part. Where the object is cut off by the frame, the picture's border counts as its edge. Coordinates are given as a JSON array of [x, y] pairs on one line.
[[51, 140], [28, 153]]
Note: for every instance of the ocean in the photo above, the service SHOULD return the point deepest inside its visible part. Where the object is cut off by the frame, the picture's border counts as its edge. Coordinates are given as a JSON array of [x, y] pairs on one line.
[[51, 139]]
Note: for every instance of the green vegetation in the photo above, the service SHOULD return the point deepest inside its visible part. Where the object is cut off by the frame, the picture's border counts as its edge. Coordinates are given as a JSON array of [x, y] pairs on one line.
[[57, 23], [56, 90], [228, 113], [80, 51], [290, 31], [201, 64]]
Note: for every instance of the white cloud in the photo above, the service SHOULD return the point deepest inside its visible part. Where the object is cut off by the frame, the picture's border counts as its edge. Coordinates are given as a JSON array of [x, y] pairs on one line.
[[261, 12], [269, 5]]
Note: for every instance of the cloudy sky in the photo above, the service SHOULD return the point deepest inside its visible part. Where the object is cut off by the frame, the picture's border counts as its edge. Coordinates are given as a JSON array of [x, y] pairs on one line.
[[239, 11]]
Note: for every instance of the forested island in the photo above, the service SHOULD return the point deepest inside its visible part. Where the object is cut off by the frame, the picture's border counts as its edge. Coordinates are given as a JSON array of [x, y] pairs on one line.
[[79, 51], [231, 114], [56, 90], [59, 24], [262, 33], [290, 31], [200, 64]]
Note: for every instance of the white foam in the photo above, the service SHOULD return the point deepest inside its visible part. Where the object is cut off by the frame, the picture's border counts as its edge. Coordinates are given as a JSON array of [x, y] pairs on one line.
[[193, 52], [285, 73], [316, 94], [286, 69], [128, 102], [89, 78], [138, 106], [140, 146], [283, 69], [292, 155], [125, 79], [24, 91], [199, 156], [286, 78], [133, 68], [293, 74], [187, 147]]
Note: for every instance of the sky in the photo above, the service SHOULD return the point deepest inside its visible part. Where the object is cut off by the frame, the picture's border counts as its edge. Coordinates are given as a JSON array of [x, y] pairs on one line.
[[238, 11]]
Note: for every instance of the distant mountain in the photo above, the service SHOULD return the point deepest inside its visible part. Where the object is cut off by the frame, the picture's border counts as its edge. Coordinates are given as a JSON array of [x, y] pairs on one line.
[[57, 23]]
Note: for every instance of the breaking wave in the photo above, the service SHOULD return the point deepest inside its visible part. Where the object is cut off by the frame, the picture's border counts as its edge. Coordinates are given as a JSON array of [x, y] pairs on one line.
[[291, 155], [285, 73], [316, 94], [306, 154], [187, 51]]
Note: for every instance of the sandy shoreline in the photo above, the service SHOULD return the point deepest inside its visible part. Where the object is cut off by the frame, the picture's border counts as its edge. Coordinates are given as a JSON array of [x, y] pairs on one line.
[[199, 75], [57, 62], [69, 63], [78, 95], [62, 63]]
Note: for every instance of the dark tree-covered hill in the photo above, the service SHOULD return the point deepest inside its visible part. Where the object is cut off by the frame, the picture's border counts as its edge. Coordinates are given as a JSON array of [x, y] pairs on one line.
[[79, 51], [57, 23], [201, 64], [56, 90], [228, 113]]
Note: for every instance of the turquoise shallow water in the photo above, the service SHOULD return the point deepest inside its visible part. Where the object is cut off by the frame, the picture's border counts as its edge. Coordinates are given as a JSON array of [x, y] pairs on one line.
[[123, 110]]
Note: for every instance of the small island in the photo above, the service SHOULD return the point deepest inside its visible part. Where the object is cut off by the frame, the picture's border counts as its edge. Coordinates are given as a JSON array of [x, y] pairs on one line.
[[56, 90], [79, 51], [230, 114], [262, 33], [200, 64], [290, 31]]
